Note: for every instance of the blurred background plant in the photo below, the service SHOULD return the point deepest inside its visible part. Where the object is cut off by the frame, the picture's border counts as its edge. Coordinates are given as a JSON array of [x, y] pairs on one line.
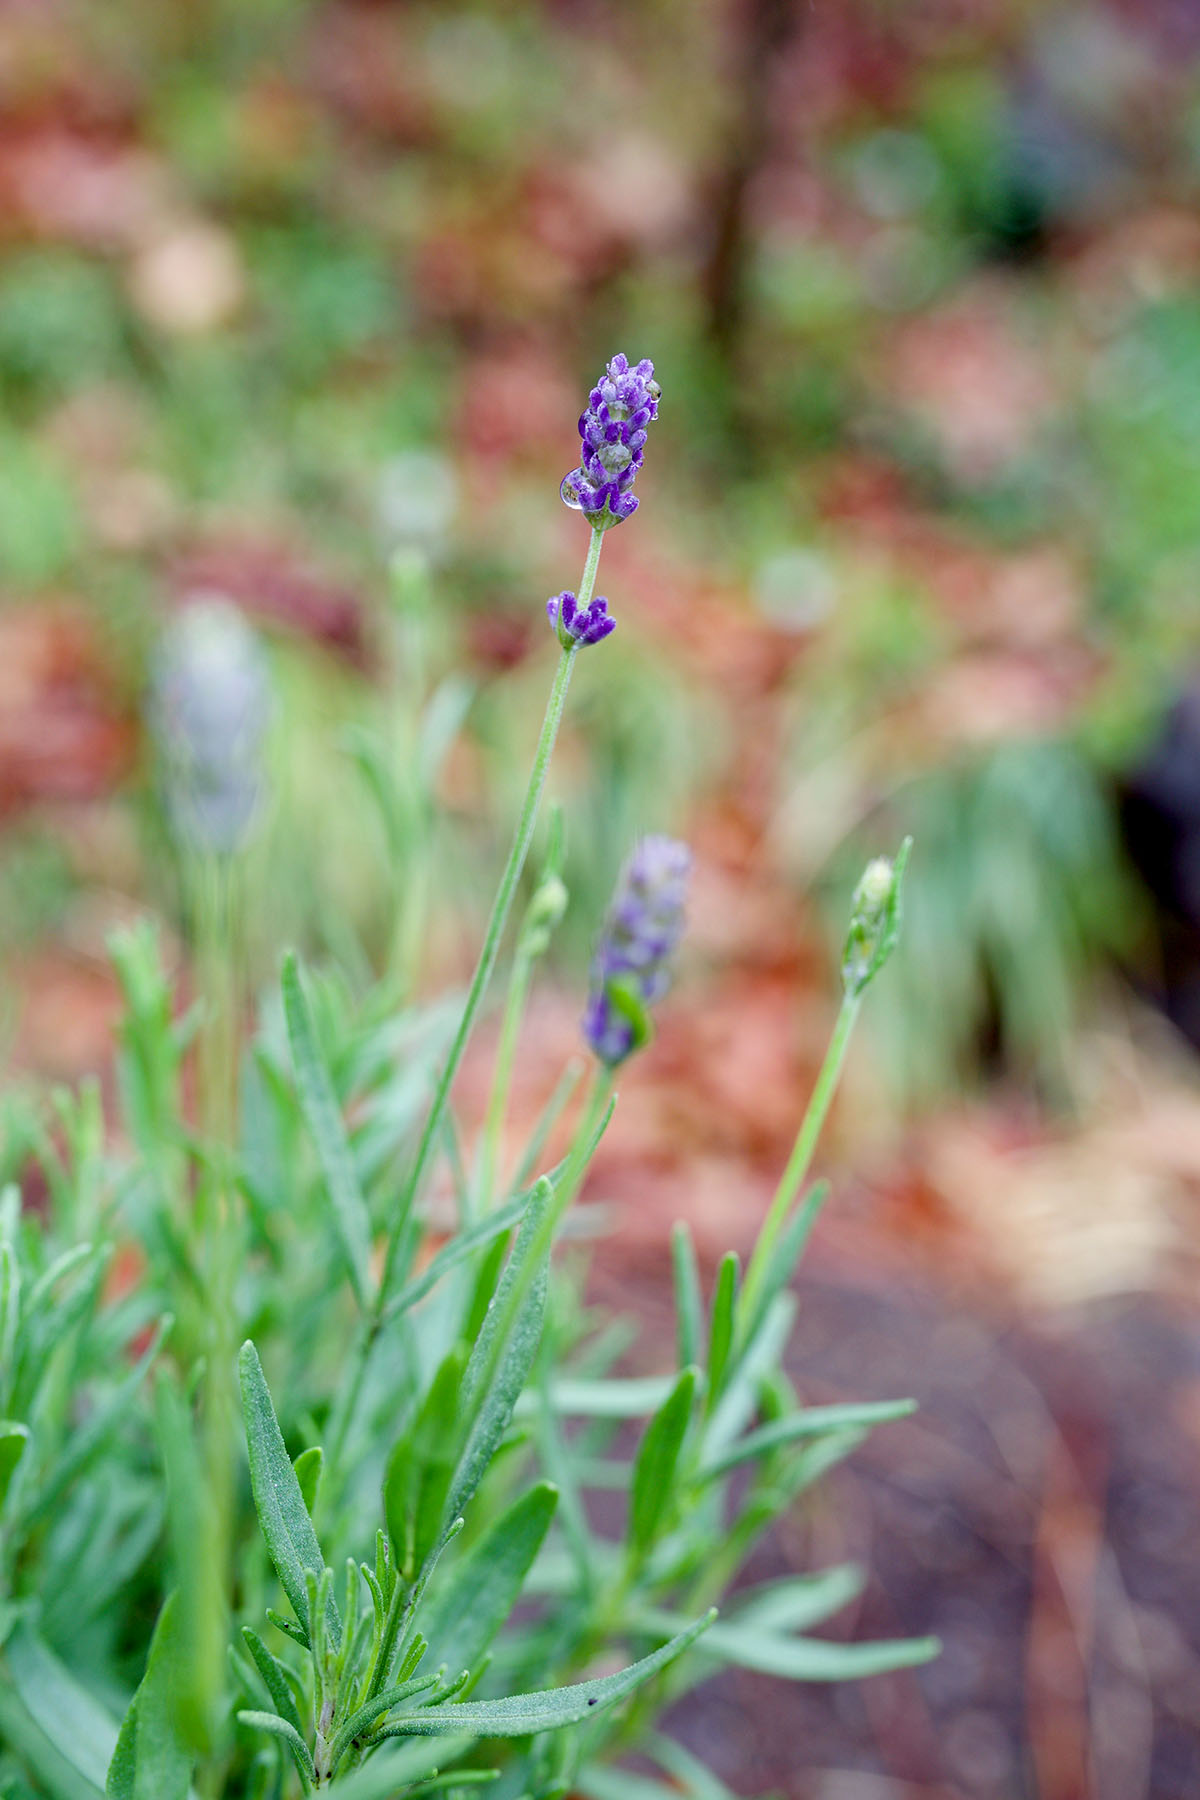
[[298, 297]]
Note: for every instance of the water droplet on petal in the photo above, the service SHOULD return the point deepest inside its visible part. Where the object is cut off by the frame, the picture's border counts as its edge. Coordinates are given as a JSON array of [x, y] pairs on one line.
[[570, 496]]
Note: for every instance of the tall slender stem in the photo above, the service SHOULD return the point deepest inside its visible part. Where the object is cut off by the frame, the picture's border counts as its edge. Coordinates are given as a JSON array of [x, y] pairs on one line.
[[347, 1399], [497, 1107], [483, 968], [802, 1152]]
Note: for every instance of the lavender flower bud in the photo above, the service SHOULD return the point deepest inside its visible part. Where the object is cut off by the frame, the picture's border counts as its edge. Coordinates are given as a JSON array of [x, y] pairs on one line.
[[874, 920], [209, 709], [577, 624], [613, 429], [629, 971]]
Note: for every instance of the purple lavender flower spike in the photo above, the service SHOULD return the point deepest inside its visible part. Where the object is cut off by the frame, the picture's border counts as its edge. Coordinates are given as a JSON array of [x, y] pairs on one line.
[[613, 430], [629, 971], [577, 624]]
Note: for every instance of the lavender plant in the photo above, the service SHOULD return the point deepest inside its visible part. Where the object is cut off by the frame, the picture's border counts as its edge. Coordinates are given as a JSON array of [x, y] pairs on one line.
[[357, 1552]]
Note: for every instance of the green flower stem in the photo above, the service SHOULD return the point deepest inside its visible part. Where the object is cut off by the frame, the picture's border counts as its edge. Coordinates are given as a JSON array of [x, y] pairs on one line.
[[484, 967], [802, 1154], [506, 1051], [431, 1135]]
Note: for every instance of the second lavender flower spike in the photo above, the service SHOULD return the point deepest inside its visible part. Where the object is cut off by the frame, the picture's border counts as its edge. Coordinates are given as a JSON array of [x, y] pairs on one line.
[[631, 966], [613, 429]]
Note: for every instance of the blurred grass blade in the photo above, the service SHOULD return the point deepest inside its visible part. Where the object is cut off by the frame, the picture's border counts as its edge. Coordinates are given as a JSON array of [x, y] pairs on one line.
[[38, 1697], [13, 1439], [323, 1115], [816, 1421], [794, 1605], [804, 1659], [632, 1397], [720, 1336], [90, 1437], [286, 1527], [688, 1309]]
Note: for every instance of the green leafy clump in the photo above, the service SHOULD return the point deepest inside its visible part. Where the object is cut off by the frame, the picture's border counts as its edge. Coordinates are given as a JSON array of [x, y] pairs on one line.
[[342, 1536]]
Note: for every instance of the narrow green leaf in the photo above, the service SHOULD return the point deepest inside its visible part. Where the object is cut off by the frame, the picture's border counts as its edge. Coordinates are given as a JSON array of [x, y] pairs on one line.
[[472, 1603], [815, 1421], [90, 1437], [631, 1398], [13, 1439], [696, 1779], [274, 1678], [286, 1526], [288, 1627], [309, 1466], [653, 1484], [798, 1603], [720, 1336], [421, 1465], [391, 1770], [495, 1373], [744, 1380], [688, 1311], [814, 1659], [200, 1609], [323, 1116], [37, 1694], [287, 1733], [453, 1778], [10, 1306], [72, 1259], [548, 1710], [461, 1246], [149, 1762]]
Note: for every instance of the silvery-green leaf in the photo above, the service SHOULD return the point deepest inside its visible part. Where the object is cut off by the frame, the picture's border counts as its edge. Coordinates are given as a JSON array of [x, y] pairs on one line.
[[287, 1733], [286, 1526], [36, 1695], [771, 1652], [91, 1436], [651, 1488], [720, 1333], [149, 1762], [520, 1715], [496, 1373], [274, 1678], [630, 1398], [814, 1421], [688, 1314], [323, 1115]]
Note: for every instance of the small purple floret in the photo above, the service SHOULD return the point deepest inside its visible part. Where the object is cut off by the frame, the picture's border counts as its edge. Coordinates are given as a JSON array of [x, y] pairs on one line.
[[643, 927], [577, 624], [613, 430]]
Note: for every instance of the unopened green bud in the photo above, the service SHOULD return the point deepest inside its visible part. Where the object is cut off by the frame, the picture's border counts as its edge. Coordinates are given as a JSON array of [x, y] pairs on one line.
[[874, 920], [544, 914]]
